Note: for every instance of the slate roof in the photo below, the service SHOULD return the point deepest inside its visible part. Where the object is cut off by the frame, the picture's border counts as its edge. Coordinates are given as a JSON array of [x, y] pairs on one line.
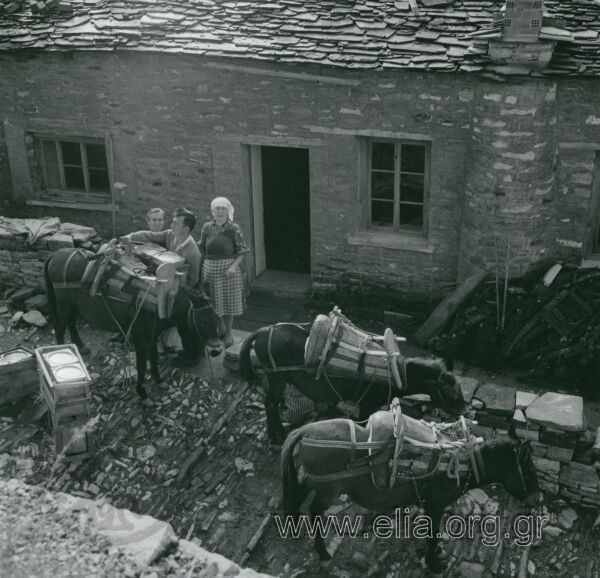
[[437, 35]]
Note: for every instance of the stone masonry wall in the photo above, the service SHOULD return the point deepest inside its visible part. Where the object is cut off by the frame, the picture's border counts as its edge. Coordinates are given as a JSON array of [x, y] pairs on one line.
[[180, 132]]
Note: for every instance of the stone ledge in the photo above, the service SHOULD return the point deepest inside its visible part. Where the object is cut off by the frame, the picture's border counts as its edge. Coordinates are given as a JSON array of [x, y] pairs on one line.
[[398, 241]]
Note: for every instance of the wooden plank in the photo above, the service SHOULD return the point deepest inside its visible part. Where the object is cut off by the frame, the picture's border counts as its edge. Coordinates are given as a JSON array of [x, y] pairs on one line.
[[444, 311]]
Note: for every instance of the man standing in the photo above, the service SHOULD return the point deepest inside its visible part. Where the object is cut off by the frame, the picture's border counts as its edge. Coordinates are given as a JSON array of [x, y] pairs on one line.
[[156, 220], [179, 240]]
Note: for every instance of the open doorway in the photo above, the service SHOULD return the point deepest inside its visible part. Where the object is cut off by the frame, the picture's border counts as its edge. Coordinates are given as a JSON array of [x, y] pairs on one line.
[[281, 203]]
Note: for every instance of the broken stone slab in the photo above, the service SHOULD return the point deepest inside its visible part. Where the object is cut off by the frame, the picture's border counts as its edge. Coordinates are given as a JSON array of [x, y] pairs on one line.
[[564, 455], [472, 570], [35, 318], [468, 386], [59, 241], [497, 398], [567, 518], [557, 410], [579, 474], [141, 537], [37, 302], [524, 399], [546, 466], [215, 564]]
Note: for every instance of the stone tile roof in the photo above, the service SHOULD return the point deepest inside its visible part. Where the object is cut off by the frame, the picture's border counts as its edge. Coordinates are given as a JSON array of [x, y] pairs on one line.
[[438, 35]]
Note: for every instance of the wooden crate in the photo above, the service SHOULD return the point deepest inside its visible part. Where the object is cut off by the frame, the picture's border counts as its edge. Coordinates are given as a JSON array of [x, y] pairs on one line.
[[73, 439], [18, 375], [64, 373], [67, 409]]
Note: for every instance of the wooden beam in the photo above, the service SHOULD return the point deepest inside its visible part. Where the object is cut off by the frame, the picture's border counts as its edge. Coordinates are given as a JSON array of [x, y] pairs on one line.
[[444, 311]]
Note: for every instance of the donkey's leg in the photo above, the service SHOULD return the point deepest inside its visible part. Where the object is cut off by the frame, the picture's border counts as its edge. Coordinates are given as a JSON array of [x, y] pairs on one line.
[[318, 505], [275, 389], [141, 360], [433, 557], [74, 332]]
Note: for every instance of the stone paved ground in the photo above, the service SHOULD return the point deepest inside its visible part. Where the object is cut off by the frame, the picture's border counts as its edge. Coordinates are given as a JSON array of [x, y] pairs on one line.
[[141, 455]]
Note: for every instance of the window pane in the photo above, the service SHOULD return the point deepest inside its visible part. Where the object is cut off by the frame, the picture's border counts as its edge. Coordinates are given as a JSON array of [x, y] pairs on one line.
[[52, 177], [96, 156], [413, 158], [382, 156], [71, 153], [74, 178], [49, 147], [98, 180], [382, 185], [411, 215], [382, 212], [411, 188]]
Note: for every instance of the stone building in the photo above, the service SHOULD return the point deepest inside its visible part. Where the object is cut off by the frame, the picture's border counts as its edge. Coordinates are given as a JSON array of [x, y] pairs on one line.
[[386, 142]]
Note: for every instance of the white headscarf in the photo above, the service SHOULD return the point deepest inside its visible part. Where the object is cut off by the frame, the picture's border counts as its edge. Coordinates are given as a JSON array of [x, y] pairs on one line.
[[222, 202]]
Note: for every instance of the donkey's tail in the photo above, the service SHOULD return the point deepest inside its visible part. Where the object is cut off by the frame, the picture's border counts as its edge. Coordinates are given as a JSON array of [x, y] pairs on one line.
[[245, 362], [293, 494], [51, 296]]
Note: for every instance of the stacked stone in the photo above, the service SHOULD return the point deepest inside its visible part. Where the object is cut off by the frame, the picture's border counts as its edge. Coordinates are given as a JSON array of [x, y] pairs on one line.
[[555, 425]]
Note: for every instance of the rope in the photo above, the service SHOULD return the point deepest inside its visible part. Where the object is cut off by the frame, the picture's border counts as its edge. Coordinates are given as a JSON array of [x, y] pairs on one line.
[[126, 351]]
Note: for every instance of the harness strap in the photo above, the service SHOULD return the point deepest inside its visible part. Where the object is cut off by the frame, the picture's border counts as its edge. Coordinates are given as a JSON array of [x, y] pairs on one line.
[[66, 266], [353, 440], [269, 341], [344, 444]]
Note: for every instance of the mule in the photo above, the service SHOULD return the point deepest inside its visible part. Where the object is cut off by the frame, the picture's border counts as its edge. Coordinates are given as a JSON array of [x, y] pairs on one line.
[[68, 299], [424, 376], [507, 462]]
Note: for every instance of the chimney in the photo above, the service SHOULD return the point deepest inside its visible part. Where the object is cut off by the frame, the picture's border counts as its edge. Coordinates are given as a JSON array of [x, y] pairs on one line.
[[523, 20]]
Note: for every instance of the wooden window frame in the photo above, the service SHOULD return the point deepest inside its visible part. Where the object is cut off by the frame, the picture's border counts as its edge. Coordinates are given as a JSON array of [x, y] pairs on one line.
[[397, 227], [86, 193]]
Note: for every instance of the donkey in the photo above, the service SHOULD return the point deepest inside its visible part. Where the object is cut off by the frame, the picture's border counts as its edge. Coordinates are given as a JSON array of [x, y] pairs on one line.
[[326, 451], [194, 317], [426, 376]]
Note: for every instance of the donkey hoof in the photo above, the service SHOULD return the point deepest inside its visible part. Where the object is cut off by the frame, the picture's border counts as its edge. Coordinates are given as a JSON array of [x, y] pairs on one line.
[[147, 402]]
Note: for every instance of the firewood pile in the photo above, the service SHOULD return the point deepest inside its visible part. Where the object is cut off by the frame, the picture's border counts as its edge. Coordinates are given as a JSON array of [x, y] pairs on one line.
[[551, 327]]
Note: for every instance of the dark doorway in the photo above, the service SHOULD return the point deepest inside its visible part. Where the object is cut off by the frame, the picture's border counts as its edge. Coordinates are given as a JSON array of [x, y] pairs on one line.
[[285, 184]]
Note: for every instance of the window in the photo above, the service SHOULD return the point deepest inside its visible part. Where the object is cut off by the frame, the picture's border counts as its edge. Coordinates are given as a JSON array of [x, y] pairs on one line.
[[535, 23], [507, 22], [397, 184], [77, 166], [537, 3], [510, 4]]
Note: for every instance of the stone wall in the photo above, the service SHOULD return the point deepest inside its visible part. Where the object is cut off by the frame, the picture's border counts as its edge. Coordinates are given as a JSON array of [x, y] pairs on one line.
[[21, 266], [180, 129]]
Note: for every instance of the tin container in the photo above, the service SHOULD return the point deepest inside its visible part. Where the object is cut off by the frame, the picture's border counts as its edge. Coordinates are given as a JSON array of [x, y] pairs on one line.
[[63, 375], [18, 375]]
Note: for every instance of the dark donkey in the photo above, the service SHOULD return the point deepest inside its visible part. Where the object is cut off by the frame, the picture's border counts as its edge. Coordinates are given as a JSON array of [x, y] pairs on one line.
[[194, 317], [331, 471], [425, 376]]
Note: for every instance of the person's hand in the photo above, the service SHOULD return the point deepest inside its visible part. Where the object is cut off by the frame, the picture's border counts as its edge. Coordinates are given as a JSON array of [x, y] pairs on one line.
[[232, 270]]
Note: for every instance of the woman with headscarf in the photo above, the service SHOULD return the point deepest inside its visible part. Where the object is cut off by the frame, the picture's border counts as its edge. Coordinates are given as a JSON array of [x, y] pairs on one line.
[[223, 249]]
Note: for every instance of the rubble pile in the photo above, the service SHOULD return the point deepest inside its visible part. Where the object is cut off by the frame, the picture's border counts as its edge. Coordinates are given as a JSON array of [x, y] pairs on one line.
[[551, 329], [96, 539]]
